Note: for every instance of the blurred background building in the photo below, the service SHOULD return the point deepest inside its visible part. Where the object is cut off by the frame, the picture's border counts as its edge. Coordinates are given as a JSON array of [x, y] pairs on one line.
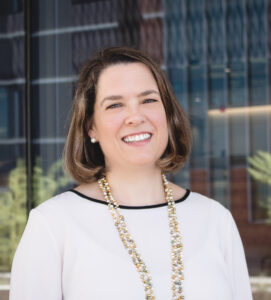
[[217, 56]]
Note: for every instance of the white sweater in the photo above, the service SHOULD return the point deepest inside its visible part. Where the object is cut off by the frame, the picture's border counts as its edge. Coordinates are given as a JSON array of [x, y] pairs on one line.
[[71, 250]]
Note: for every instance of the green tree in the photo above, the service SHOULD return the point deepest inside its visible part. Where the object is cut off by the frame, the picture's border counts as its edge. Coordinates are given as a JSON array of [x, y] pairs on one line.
[[44, 186], [13, 214], [260, 170]]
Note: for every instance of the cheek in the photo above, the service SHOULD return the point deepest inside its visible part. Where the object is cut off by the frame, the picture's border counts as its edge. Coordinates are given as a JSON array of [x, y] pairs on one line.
[[160, 119], [108, 126]]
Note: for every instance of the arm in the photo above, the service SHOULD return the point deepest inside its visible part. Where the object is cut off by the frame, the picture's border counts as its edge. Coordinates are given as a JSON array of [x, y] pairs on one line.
[[236, 262], [36, 267]]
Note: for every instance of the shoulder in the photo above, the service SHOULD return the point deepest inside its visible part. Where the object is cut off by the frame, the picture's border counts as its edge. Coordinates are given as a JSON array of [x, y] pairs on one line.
[[201, 204], [54, 201], [58, 212], [58, 207], [205, 200], [46, 219], [198, 201]]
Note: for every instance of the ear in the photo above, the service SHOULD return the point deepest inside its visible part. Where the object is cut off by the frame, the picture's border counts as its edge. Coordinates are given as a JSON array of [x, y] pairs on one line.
[[92, 131]]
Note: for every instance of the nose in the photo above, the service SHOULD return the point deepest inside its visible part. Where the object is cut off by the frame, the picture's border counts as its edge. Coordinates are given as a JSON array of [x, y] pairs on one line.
[[134, 116]]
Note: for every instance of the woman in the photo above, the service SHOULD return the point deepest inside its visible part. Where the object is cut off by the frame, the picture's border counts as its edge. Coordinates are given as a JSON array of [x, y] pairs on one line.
[[125, 232]]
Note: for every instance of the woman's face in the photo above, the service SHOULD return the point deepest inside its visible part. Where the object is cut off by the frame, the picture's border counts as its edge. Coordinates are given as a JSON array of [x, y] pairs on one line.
[[129, 117]]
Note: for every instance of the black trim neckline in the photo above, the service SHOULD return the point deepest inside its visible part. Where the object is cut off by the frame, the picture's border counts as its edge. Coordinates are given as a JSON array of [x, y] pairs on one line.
[[131, 207]]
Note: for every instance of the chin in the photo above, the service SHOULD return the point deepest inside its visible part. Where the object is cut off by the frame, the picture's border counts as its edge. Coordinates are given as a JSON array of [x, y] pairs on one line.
[[143, 161]]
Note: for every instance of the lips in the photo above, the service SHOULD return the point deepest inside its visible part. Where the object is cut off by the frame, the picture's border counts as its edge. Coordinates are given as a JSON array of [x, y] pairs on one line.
[[137, 137]]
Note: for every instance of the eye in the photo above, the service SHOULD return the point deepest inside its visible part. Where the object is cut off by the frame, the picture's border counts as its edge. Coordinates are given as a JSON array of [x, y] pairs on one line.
[[150, 100], [115, 105]]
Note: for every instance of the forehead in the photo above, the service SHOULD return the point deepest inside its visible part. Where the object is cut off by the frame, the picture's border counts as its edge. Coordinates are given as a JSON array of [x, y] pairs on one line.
[[125, 79]]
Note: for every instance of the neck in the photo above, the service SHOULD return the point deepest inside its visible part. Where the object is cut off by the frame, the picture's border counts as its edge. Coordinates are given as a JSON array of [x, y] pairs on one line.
[[137, 188]]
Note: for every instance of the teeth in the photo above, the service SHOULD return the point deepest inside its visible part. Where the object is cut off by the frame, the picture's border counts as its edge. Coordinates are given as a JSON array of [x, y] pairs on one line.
[[136, 138]]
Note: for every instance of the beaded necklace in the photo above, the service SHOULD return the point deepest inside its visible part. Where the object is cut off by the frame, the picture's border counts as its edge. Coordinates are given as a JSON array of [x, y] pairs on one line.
[[176, 244]]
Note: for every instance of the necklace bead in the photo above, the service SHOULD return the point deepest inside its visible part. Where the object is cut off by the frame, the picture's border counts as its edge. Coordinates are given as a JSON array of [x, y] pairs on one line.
[[176, 244]]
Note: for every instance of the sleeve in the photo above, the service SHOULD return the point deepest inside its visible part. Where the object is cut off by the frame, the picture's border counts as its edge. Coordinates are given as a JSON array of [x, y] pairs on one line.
[[36, 267], [236, 262]]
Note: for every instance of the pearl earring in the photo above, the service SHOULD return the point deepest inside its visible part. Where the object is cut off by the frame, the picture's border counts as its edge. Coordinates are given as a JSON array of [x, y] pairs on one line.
[[93, 140]]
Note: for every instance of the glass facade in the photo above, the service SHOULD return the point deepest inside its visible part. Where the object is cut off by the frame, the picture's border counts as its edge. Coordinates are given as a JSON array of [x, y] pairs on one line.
[[216, 54], [12, 131]]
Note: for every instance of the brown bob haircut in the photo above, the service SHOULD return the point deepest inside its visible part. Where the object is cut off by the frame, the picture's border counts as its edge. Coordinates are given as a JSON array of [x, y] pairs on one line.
[[84, 160]]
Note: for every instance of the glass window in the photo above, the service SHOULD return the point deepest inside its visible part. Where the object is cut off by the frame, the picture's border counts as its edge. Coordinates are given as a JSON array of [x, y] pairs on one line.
[[13, 199]]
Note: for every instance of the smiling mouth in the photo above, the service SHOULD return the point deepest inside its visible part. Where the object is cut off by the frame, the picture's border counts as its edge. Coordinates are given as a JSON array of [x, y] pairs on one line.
[[137, 138]]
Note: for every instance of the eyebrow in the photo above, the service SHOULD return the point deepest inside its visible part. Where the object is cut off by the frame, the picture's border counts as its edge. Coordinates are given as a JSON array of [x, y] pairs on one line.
[[117, 97]]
